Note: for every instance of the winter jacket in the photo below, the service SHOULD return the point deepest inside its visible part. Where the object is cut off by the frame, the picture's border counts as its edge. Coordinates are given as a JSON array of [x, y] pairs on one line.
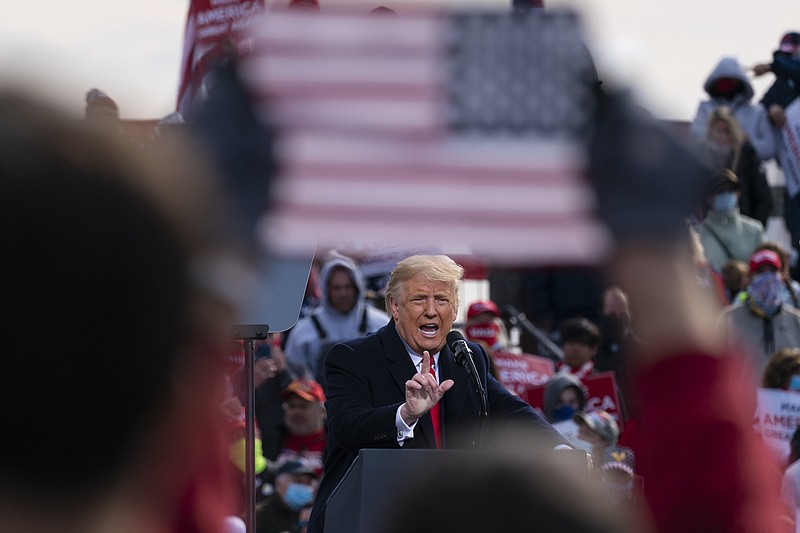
[[555, 387], [725, 237], [786, 86], [752, 117], [763, 336], [304, 345]]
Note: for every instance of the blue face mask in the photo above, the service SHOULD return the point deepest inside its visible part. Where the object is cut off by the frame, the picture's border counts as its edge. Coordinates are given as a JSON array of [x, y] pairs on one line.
[[794, 383], [563, 413], [725, 202], [298, 496]]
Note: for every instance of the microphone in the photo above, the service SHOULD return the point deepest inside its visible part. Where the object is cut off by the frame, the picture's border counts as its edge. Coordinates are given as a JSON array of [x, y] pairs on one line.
[[463, 356], [455, 340]]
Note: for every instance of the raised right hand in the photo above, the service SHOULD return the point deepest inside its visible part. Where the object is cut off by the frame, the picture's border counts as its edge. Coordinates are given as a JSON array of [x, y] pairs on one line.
[[423, 392]]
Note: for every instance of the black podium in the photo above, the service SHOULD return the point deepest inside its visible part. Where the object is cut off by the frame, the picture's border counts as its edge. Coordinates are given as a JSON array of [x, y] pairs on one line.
[[361, 500]]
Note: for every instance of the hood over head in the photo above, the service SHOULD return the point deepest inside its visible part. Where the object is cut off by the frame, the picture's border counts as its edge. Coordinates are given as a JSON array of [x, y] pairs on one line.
[[336, 262], [729, 67], [555, 386]]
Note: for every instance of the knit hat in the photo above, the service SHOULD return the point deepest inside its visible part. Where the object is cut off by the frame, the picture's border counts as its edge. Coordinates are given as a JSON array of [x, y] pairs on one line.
[[790, 42], [306, 389], [97, 99], [764, 257], [479, 307], [601, 423]]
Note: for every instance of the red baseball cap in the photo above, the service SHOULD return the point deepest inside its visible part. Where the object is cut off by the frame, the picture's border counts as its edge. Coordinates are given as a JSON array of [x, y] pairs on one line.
[[306, 389], [764, 257], [479, 307]]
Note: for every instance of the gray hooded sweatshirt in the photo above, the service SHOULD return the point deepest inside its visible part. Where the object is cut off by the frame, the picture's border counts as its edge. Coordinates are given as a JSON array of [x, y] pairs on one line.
[[555, 386], [752, 117], [304, 342]]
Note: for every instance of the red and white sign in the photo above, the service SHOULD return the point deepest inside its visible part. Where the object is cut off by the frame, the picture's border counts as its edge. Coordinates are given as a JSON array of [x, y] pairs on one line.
[[520, 372], [601, 389], [211, 26], [777, 418]]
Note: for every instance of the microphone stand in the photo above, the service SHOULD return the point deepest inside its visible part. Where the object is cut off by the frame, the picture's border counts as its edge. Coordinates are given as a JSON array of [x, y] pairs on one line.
[[469, 365], [484, 412]]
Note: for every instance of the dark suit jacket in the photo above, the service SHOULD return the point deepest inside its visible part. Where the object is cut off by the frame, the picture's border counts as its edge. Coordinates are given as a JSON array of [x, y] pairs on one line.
[[366, 384]]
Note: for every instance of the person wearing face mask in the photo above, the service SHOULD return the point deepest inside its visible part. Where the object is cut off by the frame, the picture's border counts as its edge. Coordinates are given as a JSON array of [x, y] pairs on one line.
[[762, 321], [727, 146], [564, 395], [790, 291], [729, 85], [725, 233], [295, 488], [615, 329]]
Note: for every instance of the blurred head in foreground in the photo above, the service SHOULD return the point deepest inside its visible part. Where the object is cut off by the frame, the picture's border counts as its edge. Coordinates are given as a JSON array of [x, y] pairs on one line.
[[109, 336], [508, 489]]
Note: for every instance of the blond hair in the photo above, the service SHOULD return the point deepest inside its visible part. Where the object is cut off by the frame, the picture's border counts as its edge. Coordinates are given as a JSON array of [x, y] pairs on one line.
[[738, 135], [434, 267]]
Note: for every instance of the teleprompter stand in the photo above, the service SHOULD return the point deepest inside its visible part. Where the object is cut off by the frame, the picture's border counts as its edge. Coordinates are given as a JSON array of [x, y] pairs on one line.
[[250, 334], [271, 306]]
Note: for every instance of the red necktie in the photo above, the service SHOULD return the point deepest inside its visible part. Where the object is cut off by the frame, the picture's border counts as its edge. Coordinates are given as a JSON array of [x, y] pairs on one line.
[[436, 416]]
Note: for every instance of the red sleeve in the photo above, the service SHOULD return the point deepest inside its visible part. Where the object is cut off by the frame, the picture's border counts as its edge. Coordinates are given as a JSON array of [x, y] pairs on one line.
[[704, 469]]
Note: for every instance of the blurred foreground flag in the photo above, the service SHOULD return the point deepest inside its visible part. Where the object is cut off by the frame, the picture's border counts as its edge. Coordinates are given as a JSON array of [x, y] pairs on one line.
[[463, 131]]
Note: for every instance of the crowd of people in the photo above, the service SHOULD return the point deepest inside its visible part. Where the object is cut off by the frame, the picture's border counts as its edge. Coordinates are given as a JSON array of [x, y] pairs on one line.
[[749, 279], [153, 425]]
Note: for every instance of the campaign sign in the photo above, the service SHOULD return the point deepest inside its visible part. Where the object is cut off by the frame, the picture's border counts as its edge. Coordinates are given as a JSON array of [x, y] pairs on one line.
[[519, 372], [777, 418], [601, 394]]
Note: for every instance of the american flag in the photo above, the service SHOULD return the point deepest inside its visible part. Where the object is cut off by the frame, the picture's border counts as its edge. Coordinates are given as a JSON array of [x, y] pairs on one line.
[[460, 131]]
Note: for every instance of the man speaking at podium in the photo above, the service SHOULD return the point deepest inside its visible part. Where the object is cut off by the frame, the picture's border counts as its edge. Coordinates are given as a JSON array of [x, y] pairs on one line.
[[402, 386]]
